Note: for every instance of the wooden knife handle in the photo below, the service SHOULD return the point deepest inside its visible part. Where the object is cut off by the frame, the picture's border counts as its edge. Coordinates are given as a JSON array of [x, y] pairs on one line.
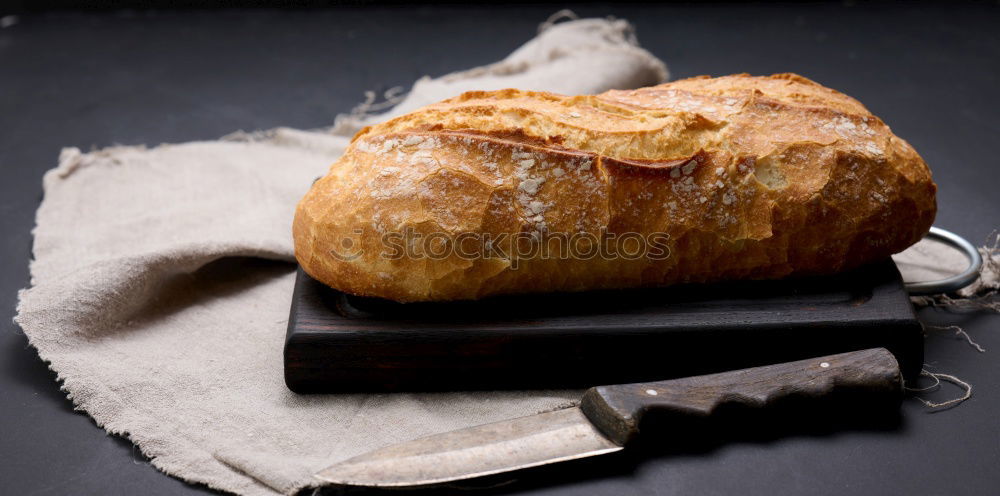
[[617, 410]]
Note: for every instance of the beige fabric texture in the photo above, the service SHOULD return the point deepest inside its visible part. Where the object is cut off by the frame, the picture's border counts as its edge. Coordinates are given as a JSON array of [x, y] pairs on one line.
[[162, 279], [931, 260]]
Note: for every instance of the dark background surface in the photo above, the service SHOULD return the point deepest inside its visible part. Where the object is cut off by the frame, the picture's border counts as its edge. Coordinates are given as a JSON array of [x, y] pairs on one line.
[[93, 79]]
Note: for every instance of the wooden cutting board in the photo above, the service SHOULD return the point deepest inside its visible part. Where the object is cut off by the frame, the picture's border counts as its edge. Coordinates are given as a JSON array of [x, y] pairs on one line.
[[338, 343]]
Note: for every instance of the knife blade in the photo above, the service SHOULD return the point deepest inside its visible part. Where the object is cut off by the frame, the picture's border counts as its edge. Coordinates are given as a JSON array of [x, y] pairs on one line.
[[608, 418]]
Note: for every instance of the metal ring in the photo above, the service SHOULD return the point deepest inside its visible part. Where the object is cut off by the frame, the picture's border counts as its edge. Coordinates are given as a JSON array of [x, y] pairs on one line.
[[955, 282]]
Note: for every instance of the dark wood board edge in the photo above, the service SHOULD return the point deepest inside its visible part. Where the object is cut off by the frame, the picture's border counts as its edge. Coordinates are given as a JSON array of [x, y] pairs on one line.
[[440, 359]]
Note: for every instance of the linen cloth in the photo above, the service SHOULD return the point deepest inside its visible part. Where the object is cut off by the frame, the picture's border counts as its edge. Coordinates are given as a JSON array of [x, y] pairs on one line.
[[931, 260], [162, 279]]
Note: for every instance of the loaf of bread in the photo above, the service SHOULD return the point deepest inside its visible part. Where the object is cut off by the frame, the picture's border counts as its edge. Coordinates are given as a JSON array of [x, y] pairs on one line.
[[698, 180]]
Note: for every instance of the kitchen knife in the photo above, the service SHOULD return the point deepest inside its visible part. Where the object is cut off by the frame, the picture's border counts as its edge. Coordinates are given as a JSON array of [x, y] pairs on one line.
[[609, 416]]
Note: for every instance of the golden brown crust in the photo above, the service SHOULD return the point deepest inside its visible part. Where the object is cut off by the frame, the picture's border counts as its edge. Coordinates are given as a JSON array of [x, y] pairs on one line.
[[748, 177]]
